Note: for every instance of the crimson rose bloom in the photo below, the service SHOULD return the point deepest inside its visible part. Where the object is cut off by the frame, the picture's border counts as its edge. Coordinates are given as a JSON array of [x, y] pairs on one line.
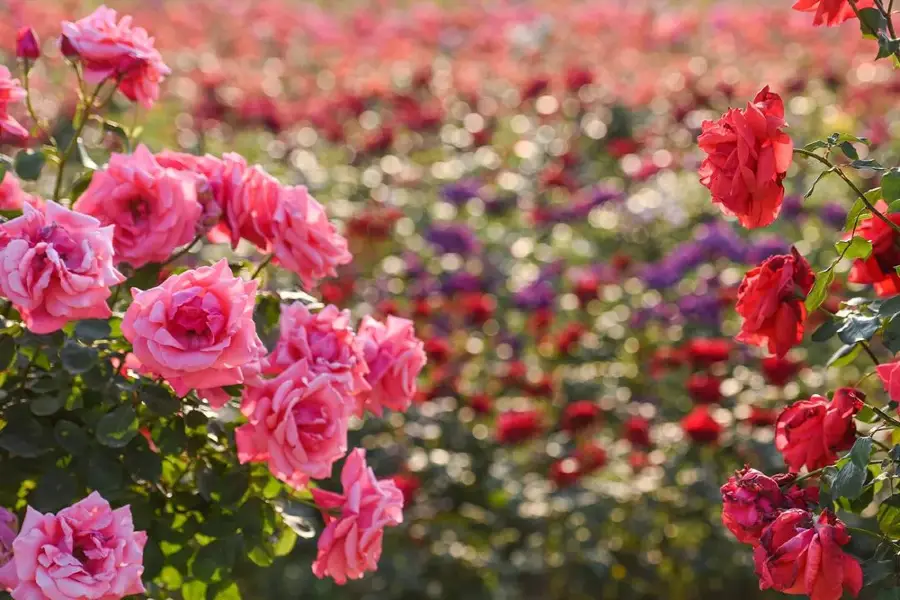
[[831, 12], [779, 371], [748, 156], [707, 351], [701, 427], [799, 555], [890, 378], [751, 500], [580, 415], [770, 299], [878, 268], [637, 431], [704, 388], [812, 432], [516, 426]]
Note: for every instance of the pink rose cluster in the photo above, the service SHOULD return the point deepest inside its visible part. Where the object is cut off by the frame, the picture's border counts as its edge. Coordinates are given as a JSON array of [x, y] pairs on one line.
[[87, 550]]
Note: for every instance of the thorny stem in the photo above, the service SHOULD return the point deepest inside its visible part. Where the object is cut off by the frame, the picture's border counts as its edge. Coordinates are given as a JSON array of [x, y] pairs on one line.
[[852, 185]]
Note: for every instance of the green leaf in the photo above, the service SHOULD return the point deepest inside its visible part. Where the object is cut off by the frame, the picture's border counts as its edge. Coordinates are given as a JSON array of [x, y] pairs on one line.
[[867, 164], [858, 328], [143, 463], [48, 404], [24, 435], [866, 415], [160, 400], [855, 248], [890, 185], [890, 307], [71, 437], [812, 146], [889, 519], [849, 151], [55, 490], [844, 355], [857, 211], [80, 185], [29, 164], [261, 556], [7, 351], [877, 571], [849, 481], [871, 21], [859, 454], [118, 427], [77, 359], [194, 590], [92, 330], [285, 542], [891, 334], [226, 591], [826, 330], [819, 291]]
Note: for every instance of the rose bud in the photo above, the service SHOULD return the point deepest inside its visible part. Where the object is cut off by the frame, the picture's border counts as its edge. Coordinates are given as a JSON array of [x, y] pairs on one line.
[[27, 44]]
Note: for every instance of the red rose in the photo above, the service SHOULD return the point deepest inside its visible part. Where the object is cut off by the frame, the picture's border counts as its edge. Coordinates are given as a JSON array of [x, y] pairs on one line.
[[707, 351], [408, 484], [779, 371], [480, 403], [437, 349], [770, 299], [878, 268], [750, 501], [701, 427], [570, 337], [637, 431], [748, 156], [812, 432], [704, 388], [541, 387], [831, 12], [580, 415], [762, 417], [518, 426], [590, 457], [565, 472], [799, 555], [478, 307]]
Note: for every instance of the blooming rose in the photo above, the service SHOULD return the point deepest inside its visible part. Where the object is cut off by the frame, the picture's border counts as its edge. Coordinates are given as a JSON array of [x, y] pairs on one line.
[[770, 299], [9, 527], [394, 356], [889, 373], [10, 93], [56, 266], [12, 196], [517, 426], [86, 550], [800, 555], [812, 432], [831, 12], [779, 371], [297, 423], [748, 156], [196, 331], [879, 268], [752, 500], [637, 431], [110, 49], [325, 340], [700, 426], [704, 388], [155, 210], [580, 415], [350, 545], [303, 240]]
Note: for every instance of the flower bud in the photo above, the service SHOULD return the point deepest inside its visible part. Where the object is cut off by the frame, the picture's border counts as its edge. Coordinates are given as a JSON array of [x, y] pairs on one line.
[[27, 44], [67, 48]]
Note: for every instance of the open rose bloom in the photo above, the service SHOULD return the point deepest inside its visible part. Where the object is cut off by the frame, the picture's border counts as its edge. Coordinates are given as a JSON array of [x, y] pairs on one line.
[[811, 432], [350, 545], [394, 357], [196, 331], [56, 266], [85, 551], [748, 157], [831, 12]]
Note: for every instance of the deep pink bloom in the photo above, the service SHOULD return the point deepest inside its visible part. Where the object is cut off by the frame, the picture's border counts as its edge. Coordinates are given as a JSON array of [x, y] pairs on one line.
[[196, 331], [86, 550], [395, 357], [109, 49], [9, 529], [303, 240], [12, 196], [56, 266], [155, 210], [800, 555], [811, 432], [27, 44], [748, 156], [325, 340], [297, 424], [350, 545], [831, 12], [10, 93]]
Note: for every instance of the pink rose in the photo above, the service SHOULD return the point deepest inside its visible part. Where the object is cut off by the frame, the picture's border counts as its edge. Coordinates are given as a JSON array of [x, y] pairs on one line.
[[395, 356], [9, 527], [889, 373], [56, 266], [325, 340], [110, 49], [350, 545], [155, 210], [303, 239], [86, 550], [297, 423], [10, 93], [13, 197], [196, 331]]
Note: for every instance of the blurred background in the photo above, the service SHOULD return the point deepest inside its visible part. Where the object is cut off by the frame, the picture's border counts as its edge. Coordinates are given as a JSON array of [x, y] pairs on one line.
[[520, 179]]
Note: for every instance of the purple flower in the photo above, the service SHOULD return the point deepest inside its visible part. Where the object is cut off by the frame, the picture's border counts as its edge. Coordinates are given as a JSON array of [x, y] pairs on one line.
[[539, 294], [453, 238], [461, 281], [765, 248], [704, 308], [460, 192], [834, 214], [792, 206]]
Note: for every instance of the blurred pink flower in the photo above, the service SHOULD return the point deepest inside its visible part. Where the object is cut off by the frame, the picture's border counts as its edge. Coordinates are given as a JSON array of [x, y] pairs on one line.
[[10, 93]]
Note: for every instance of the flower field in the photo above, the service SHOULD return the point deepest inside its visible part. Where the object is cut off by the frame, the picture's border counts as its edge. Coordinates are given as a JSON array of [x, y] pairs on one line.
[[539, 300]]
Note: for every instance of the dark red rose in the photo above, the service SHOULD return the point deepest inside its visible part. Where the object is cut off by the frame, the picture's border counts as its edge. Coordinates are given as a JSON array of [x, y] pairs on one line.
[[700, 427], [580, 415], [707, 351], [879, 268], [811, 432], [780, 371], [517, 426], [637, 431], [704, 388]]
